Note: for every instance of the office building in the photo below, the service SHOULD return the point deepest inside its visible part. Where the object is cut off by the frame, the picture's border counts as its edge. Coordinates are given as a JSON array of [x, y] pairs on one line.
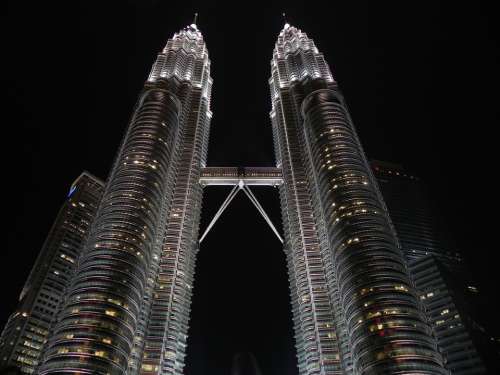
[[437, 268], [27, 329]]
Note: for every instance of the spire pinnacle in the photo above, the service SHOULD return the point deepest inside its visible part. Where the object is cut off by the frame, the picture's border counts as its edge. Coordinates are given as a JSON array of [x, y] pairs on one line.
[[195, 18], [287, 25]]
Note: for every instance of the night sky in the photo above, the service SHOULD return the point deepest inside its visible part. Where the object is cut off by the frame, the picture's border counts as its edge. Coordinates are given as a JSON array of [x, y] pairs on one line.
[[421, 83]]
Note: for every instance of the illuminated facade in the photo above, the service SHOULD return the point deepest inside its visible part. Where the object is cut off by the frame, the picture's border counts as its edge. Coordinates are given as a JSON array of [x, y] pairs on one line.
[[27, 329], [127, 309], [355, 309]]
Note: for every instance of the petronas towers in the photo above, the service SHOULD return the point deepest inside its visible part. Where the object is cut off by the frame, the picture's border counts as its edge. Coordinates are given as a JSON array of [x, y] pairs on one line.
[[126, 306]]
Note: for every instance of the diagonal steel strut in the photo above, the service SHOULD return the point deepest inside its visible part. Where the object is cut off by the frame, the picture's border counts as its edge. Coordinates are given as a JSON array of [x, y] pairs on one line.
[[228, 200], [253, 199], [257, 205]]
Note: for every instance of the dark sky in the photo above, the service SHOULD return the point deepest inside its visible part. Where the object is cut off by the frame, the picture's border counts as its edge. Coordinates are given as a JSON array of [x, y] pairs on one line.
[[421, 82]]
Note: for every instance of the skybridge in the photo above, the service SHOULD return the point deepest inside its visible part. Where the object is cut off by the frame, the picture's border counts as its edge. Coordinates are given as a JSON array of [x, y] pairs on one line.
[[248, 176], [241, 178]]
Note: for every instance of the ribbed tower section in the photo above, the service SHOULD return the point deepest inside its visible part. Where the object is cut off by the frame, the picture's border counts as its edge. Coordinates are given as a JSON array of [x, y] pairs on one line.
[[341, 245], [317, 337], [110, 307], [185, 56]]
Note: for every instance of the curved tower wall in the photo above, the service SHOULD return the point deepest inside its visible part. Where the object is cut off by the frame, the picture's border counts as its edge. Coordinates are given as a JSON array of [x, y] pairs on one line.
[[379, 326], [114, 313], [317, 337], [184, 57]]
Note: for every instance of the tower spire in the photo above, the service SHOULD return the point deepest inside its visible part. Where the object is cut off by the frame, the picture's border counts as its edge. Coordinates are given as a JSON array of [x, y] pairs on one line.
[[195, 19], [287, 25]]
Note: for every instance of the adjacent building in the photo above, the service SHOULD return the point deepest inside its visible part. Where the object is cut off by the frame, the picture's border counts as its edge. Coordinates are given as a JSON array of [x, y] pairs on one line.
[[420, 230], [27, 329], [448, 309], [436, 267]]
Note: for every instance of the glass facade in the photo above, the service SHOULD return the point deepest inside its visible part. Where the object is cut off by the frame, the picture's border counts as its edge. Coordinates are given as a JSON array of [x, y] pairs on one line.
[[448, 314], [26, 332], [436, 267], [415, 221]]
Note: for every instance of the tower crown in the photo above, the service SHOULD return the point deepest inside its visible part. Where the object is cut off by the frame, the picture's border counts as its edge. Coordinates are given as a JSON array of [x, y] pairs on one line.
[[290, 39], [190, 39], [185, 56], [295, 57]]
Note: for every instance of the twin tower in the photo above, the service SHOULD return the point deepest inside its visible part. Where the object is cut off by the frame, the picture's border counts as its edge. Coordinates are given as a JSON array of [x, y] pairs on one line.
[[355, 311]]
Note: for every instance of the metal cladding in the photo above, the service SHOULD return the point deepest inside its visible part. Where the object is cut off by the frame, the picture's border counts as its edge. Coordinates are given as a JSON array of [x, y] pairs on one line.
[[308, 263], [185, 56], [134, 279], [331, 197]]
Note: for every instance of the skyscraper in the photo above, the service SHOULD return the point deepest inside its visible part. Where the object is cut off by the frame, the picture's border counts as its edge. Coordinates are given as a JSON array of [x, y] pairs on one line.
[[355, 310], [448, 309], [419, 229], [436, 267], [128, 306], [354, 307], [27, 329]]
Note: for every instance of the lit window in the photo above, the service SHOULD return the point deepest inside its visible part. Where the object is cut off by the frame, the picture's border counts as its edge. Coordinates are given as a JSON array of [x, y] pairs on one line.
[[170, 355], [146, 367], [101, 353]]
